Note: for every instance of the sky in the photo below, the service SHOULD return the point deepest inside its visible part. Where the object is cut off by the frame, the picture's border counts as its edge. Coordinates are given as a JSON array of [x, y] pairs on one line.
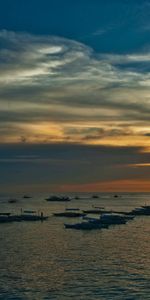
[[74, 95]]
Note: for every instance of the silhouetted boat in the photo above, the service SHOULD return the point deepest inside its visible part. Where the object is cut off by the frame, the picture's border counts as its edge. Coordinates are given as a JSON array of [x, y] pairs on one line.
[[5, 213], [69, 214], [27, 211], [95, 196], [98, 207], [92, 211], [86, 226], [7, 218], [96, 211], [113, 219], [141, 211], [13, 200], [104, 221], [58, 198], [29, 217]]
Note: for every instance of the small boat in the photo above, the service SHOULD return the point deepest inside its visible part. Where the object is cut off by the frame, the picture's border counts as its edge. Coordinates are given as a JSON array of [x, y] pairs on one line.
[[147, 207], [29, 217], [29, 211], [141, 211], [86, 226], [7, 217], [98, 207], [116, 196], [96, 211], [104, 221], [113, 219], [12, 200], [58, 198], [95, 196], [69, 214], [26, 197], [5, 213], [92, 211]]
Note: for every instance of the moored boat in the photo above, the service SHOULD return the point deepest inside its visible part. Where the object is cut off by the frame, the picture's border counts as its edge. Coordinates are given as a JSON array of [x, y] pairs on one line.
[[141, 211], [69, 214], [58, 198], [26, 197], [86, 226]]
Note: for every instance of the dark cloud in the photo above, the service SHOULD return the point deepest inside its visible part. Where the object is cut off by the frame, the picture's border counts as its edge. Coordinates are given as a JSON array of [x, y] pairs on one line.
[[69, 163]]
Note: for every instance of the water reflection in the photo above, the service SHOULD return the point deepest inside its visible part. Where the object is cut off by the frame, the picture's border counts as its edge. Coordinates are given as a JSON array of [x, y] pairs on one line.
[[45, 261]]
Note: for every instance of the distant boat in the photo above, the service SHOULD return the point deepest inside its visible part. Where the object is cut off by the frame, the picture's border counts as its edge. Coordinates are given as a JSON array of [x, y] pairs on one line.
[[86, 226], [58, 198], [96, 211], [25, 216], [113, 219], [13, 200], [7, 218], [69, 214], [141, 211], [104, 221], [5, 213], [30, 217], [29, 211], [95, 196], [92, 211], [26, 197], [98, 207]]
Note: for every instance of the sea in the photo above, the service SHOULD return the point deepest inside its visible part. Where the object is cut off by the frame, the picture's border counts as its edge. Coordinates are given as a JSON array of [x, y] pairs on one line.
[[44, 260]]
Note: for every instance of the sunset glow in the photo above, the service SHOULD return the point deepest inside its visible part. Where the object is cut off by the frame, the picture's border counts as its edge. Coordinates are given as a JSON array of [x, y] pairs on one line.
[[86, 87]]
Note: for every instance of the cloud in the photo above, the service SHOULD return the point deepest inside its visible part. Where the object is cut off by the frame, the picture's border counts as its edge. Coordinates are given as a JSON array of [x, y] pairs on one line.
[[51, 79], [59, 164]]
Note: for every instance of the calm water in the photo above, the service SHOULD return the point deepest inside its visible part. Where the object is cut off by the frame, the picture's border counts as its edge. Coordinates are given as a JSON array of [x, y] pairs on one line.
[[46, 261]]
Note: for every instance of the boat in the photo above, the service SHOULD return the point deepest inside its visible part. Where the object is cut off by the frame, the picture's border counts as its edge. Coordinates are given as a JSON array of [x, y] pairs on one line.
[[141, 211], [5, 213], [12, 200], [29, 217], [96, 211], [95, 196], [86, 226], [113, 219], [69, 214], [29, 211], [58, 198], [104, 221], [26, 197], [7, 217], [92, 211], [98, 207]]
